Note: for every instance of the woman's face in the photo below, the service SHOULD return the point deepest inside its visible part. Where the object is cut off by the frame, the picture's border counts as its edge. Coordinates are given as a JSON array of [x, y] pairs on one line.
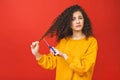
[[77, 22]]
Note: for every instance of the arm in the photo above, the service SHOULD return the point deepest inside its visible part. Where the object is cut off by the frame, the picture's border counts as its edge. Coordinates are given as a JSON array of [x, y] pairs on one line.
[[46, 61], [87, 61]]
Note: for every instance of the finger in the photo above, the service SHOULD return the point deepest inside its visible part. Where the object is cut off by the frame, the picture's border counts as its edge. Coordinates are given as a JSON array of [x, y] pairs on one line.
[[33, 43], [31, 46], [51, 51], [36, 41]]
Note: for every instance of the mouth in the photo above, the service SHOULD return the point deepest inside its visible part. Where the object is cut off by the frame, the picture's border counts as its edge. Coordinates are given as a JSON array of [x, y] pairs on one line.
[[78, 26]]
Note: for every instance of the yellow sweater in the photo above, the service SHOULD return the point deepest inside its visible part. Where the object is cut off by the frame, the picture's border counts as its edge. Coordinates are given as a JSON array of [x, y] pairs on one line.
[[80, 62]]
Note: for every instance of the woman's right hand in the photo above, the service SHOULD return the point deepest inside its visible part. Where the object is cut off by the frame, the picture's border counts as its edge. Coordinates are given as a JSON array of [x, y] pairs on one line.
[[35, 48]]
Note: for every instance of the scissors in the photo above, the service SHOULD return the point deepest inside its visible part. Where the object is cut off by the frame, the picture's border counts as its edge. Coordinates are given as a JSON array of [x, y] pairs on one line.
[[50, 47]]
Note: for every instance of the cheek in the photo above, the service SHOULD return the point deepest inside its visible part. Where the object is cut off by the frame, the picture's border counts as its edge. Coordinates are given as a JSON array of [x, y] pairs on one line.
[[81, 21], [73, 23]]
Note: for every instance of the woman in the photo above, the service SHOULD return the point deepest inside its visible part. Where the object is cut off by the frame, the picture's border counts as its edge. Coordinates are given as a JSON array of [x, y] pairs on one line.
[[76, 49]]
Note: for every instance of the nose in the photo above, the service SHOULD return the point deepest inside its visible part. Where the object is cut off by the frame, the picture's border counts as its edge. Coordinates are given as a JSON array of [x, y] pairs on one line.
[[77, 21]]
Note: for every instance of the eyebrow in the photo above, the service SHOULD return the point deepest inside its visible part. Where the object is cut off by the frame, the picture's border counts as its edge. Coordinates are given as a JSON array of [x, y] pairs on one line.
[[78, 16]]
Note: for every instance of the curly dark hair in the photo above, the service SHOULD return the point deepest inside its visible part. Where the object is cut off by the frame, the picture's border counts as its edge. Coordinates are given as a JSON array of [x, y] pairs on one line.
[[61, 26]]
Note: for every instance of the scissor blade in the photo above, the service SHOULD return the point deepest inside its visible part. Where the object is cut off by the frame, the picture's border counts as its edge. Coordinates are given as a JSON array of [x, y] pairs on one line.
[[46, 42]]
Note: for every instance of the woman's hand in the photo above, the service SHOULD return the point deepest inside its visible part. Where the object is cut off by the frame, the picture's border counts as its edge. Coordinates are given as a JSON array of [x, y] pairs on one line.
[[58, 53], [63, 55], [35, 49], [55, 52]]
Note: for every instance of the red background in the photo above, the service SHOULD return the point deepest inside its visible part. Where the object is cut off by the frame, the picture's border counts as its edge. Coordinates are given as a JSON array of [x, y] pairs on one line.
[[25, 21]]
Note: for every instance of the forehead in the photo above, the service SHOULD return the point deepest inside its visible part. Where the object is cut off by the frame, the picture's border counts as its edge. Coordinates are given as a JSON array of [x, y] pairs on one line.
[[77, 13]]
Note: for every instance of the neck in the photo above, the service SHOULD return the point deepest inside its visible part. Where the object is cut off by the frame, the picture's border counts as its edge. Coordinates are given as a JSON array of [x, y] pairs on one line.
[[77, 35]]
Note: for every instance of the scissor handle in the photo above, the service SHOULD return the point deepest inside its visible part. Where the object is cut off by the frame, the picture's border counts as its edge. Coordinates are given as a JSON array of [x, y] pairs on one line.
[[52, 50]]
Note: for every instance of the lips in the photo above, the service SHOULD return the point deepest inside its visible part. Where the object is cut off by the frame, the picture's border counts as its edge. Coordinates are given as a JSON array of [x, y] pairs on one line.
[[78, 26]]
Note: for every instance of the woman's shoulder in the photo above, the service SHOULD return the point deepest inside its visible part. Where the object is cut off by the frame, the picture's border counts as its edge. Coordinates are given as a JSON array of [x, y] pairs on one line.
[[61, 43], [92, 38], [64, 39]]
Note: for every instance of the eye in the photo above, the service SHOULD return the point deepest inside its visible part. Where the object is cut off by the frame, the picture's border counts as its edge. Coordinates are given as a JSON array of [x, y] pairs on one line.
[[73, 18], [80, 18]]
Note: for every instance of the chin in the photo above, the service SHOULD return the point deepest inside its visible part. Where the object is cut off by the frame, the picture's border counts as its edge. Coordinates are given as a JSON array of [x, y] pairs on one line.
[[78, 30]]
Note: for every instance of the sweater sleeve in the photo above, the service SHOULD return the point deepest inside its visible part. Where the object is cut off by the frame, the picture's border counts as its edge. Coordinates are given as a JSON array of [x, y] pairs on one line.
[[85, 63], [47, 61]]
